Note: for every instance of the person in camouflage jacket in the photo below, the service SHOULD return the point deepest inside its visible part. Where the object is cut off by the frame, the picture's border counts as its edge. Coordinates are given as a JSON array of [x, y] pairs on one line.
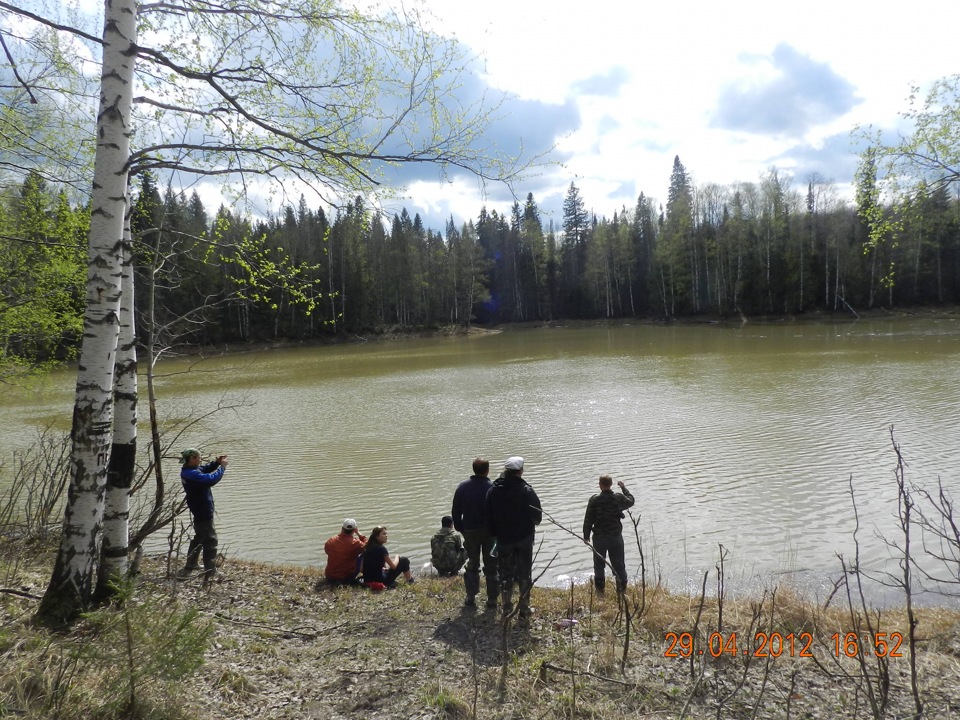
[[446, 549], [602, 521]]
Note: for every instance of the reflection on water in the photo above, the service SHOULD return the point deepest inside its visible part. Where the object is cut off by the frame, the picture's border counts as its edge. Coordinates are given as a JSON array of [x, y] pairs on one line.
[[743, 436]]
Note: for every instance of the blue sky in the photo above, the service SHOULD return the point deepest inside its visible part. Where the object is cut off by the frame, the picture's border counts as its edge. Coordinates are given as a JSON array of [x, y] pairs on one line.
[[733, 88], [618, 88]]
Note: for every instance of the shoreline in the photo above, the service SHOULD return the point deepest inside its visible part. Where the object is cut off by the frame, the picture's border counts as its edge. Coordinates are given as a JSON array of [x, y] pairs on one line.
[[394, 333], [283, 644]]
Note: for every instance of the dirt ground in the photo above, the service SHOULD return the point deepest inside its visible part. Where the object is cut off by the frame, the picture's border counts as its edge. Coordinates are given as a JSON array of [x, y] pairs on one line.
[[286, 645]]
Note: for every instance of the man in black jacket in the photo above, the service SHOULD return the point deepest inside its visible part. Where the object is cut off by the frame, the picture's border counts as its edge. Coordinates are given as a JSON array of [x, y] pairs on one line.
[[513, 512], [604, 512], [470, 520]]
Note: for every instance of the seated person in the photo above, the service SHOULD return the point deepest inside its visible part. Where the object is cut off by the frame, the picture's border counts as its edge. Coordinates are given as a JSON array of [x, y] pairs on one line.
[[343, 553], [378, 565], [446, 549]]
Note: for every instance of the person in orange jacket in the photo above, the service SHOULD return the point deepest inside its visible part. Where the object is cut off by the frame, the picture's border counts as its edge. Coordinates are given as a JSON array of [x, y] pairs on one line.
[[343, 553]]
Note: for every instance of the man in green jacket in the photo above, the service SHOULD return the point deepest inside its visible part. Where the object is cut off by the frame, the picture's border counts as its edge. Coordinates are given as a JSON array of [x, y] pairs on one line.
[[602, 521]]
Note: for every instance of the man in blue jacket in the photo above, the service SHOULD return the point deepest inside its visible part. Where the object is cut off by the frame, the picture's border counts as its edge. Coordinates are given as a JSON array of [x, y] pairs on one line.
[[197, 482], [513, 512], [470, 520]]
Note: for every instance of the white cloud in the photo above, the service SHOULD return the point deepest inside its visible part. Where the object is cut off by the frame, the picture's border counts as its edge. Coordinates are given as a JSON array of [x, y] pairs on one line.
[[805, 74]]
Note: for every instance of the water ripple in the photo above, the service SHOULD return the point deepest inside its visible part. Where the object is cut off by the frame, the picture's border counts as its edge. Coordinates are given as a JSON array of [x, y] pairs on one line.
[[745, 437]]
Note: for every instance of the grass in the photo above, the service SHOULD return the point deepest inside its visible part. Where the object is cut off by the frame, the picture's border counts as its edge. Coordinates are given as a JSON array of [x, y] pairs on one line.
[[274, 629]]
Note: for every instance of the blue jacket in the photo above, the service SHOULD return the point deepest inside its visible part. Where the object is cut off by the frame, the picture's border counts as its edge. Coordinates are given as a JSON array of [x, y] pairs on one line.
[[469, 504], [197, 484], [513, 510]]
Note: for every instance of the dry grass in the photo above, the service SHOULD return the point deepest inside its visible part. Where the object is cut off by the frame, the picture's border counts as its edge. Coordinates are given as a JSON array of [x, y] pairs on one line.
[[286, 645]]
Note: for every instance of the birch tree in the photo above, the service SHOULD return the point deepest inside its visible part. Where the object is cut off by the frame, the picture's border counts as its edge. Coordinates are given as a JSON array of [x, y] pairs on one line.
[[72, 579], [123, 452], [303, 93]]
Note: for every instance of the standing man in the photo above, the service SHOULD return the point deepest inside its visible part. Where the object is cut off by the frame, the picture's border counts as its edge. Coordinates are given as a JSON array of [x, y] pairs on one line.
[[197, 482], [513, 513], [343, 553], [470, 520], [604, 512]]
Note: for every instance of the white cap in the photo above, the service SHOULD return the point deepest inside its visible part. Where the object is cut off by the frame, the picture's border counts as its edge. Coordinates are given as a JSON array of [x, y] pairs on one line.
[[514, 463], [349, 524]]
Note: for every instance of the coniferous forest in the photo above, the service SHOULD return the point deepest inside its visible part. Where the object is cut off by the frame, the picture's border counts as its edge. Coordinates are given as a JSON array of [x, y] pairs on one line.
[[214, 276]]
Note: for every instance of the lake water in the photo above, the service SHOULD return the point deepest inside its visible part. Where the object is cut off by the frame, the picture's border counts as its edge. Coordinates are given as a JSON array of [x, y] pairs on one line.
[[743, 435]]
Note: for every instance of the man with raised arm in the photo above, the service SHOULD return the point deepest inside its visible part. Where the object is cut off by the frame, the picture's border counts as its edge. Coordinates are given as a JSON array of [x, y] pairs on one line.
[[198, 481], [602, 521]]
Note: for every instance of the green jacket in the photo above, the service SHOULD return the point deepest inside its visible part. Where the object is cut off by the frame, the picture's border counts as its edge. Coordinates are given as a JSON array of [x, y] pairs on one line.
[[604, 512]]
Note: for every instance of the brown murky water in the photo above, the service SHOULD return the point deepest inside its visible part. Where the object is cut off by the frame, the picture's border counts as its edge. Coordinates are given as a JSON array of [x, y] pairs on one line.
[[744, 436]]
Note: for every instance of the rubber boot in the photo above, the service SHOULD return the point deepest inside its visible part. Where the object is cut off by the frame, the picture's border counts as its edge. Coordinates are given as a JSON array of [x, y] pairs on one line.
[[193, 559], [524, 611], [506, 598], [209, 566], [471, 583], [493, 589]]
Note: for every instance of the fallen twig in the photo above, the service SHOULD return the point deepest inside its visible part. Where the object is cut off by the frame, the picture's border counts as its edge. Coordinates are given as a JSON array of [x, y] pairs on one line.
[[379, 671], [20, 593], [581, 673], [280, 630]]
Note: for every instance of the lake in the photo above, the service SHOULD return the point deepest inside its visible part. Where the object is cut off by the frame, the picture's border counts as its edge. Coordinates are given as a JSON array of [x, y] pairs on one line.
[[742, 435]]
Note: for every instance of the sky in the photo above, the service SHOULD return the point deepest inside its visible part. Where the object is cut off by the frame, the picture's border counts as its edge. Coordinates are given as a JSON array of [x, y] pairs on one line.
[[613, 90], [618, 89]]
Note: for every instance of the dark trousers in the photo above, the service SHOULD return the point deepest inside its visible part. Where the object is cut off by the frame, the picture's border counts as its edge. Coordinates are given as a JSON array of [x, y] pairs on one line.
[[477, 542], [612, 546], [516, 566], [205, 538], [391, 574]]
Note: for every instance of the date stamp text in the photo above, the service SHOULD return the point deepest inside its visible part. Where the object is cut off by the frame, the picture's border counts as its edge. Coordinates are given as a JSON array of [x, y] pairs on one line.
[[775, 644]]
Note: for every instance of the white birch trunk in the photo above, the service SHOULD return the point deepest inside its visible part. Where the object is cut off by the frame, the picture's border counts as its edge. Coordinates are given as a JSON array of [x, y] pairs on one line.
[[71, 583], [123, 456]]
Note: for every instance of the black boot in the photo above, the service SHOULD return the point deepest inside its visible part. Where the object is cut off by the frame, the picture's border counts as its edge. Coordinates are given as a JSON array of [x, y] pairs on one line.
[[493, 589], [506, 597], [209, 566], [471, 584], [193, 559]]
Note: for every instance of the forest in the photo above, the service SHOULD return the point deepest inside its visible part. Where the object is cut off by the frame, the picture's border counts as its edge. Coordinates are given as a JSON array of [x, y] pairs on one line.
[[209, 276]]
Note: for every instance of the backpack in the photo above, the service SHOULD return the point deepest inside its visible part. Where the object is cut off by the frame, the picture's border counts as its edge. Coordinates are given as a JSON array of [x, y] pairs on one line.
[[444, 551]]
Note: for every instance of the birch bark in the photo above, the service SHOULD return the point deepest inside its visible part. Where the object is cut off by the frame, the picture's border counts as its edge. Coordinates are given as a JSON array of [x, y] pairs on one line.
[[123, 456], [71, 584]]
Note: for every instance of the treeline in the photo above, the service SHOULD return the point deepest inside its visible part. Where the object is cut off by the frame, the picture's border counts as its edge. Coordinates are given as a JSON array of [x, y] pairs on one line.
[[42, 275], [751, 248]]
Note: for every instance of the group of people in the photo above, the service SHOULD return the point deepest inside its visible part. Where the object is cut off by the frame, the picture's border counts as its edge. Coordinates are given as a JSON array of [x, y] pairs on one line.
[[496, 522], [351, 555], [491, 527]]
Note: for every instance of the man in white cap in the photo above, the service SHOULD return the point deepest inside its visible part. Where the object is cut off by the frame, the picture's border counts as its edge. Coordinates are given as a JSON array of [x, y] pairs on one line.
[[513, 513], [343, 551]]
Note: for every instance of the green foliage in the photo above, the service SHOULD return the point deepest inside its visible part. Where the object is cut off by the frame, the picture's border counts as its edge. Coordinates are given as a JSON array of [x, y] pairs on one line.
[[42, 275], [896, 184], [121, 663], [268, 276], [141, 650]]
